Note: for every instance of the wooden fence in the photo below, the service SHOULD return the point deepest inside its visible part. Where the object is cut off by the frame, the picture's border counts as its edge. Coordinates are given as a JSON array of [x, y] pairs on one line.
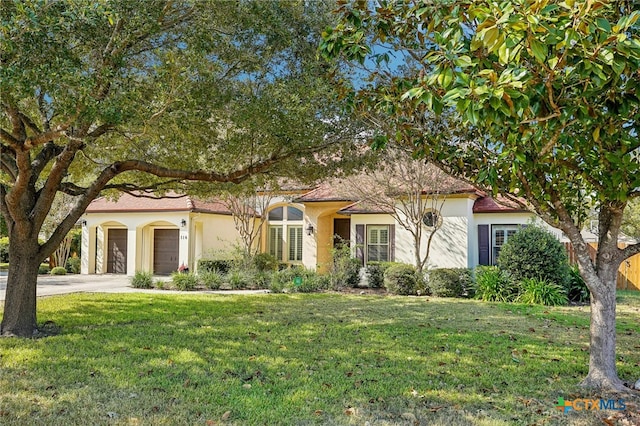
[[628, 273]]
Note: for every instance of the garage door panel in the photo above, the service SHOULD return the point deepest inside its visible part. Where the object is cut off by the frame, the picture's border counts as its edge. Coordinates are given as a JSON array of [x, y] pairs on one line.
[[165, 251], [117, 251]]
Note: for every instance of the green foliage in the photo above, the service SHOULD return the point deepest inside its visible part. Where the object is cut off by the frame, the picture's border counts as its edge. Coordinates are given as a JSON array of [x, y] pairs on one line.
[[345, 270], [73, 265], [212, 280], [184, 282], [542, 292], [222, 266], [577, 290], [631, 219], [4, 249], [493, 284], [58, 270], [213, 339], [402, 279], [298, 280], [375, 273], [240, 279], [43, 269], [76, 243], [533, 252], [142, 279], [451, 282], [265, 262]]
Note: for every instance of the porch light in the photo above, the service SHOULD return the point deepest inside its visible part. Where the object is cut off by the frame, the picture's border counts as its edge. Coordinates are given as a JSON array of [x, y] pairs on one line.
[[309, 229], [183, 223], [84, 223]]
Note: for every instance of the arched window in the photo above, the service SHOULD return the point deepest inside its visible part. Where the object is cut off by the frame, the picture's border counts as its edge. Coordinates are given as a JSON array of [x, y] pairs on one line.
[[284, 238]]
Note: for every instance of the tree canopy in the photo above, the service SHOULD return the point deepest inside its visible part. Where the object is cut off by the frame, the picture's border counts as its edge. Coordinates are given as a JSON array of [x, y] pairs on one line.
[[125, 95], [547, 94]]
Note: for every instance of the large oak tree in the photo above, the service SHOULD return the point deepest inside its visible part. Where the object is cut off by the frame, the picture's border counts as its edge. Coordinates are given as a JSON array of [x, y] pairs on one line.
[[550, 89], [125, 95]]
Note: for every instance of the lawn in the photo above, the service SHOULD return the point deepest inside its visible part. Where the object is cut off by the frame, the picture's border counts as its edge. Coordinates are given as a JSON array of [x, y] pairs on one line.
[[154, 359]]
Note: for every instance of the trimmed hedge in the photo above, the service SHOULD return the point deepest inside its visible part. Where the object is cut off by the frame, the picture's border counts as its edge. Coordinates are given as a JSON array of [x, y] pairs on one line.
[[533, 252], [375, 273], [402, 279], [451, 282], [222, 266], [58, 270]]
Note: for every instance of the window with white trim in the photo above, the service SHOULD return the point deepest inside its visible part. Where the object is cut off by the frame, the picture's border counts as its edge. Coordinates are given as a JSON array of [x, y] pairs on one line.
[[500, 235], [378, 243], [284, 237]]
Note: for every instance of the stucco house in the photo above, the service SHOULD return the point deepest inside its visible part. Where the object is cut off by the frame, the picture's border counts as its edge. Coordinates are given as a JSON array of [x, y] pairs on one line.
[[301, 227]]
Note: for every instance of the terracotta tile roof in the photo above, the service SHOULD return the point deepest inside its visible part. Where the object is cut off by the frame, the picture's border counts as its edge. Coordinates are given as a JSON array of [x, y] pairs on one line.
[[498, 205], [363, 207], [338, 190], [328, 191], [175, 203]]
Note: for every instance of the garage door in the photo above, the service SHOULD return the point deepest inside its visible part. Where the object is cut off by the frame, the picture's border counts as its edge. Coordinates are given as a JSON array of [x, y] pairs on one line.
[[117, 251], [165, 251]]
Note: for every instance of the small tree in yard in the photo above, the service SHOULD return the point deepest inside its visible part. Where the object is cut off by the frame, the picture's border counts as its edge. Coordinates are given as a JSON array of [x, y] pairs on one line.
[[130, 95], [548, 90], [249, 209], [411, 190]]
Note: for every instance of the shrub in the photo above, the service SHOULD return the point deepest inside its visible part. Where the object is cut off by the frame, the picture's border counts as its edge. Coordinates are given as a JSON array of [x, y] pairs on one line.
[[577, 290], [534, 252], [310, 282], [184, 282], [142, 279], [265, 262], [262, 279], [211, 279], [375, 273], [58, 270], [221, 265], [402, 279], [159, 284], [345, 270], [542, 292], [494, 284], [450, 282], [298, 279], [43, 269], [4, 249], [240, 279], [73, 265]]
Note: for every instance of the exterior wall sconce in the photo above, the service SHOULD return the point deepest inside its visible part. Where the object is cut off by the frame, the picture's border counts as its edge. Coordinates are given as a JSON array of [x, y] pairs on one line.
[[183, 223], [84, 223], [309, 229]]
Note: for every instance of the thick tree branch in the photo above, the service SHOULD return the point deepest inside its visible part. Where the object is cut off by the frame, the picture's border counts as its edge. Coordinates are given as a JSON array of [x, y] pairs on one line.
[[56, 174], [629, 251], [8, 138]]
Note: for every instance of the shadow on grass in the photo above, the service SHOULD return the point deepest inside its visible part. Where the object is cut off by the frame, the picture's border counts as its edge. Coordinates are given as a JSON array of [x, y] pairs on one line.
[[292, 359]]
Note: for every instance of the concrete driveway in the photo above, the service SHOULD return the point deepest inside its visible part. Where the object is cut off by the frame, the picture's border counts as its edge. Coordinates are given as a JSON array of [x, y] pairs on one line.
[[49, 285]]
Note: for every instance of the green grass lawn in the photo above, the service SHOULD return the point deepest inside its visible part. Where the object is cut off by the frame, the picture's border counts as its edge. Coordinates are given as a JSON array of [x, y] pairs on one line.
[[153, 359]]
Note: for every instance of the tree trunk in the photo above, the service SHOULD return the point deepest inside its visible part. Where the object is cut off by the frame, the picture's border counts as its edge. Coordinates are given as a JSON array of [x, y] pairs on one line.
[[602, 344], [20, 301]]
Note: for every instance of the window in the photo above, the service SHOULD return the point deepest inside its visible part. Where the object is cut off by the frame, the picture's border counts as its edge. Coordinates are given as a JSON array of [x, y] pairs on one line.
[[501, 234], [284, 240], [378, 243], [275, 241], [295, 243], [432, 219]]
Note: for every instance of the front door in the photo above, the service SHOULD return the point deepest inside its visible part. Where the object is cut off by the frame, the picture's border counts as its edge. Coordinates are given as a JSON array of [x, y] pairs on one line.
[[341, 232], [165, 251], [117, 251]]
